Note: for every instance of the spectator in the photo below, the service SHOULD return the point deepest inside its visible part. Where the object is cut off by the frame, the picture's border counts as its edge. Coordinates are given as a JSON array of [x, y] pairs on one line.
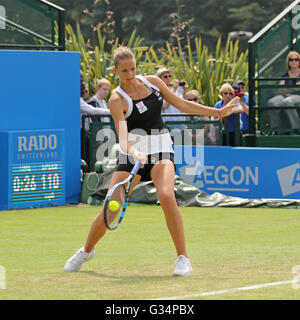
[[227, 93], [98, 100], [87, 109], [240, 91], [193, 95], [288, 98], [179, 87]]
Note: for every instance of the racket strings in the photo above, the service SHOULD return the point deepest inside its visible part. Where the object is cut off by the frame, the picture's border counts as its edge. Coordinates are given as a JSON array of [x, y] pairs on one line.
[[113, 216]]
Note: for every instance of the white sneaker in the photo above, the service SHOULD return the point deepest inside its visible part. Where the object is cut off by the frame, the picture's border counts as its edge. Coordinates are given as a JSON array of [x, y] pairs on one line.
[[75, 262], [183, 266]]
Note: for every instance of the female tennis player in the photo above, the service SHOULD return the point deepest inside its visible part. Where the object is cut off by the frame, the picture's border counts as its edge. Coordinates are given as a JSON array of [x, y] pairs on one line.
[[135, 106]]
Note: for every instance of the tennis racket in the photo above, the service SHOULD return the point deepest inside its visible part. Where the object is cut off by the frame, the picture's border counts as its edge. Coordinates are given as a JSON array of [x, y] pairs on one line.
[[114, 211]]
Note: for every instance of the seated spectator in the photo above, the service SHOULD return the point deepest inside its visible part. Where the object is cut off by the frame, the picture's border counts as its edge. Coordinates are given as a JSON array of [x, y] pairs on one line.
[[240, 91], [193, 95], [179, 87], [287, 98], [87, 109], [98, 100], [227, 93]]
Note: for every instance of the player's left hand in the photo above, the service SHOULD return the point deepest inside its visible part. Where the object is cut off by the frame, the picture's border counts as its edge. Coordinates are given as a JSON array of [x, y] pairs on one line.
[[228, 109]]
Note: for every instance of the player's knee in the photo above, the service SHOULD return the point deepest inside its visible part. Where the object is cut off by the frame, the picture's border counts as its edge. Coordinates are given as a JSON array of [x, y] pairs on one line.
[[166, 197]]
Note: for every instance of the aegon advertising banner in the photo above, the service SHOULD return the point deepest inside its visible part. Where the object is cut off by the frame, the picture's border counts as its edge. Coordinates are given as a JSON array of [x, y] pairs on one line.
[[252, 173]]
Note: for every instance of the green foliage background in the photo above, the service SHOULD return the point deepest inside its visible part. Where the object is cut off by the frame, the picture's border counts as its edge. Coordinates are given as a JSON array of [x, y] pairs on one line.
[[189, 36], [204, 71]]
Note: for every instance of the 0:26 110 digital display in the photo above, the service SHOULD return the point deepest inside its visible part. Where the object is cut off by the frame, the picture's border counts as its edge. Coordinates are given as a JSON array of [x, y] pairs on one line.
[[37, 181]]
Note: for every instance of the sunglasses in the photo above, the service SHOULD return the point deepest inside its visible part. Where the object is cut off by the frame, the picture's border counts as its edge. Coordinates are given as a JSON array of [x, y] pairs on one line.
[[167, 76], [193, 99], [230, 93], [293, 59]]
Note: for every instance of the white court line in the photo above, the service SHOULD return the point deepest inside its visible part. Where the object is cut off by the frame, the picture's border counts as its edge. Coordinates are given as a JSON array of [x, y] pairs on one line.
[[212, 293]]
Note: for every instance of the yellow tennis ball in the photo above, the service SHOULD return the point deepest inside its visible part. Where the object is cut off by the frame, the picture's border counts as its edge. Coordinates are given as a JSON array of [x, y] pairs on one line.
[[113, 205]]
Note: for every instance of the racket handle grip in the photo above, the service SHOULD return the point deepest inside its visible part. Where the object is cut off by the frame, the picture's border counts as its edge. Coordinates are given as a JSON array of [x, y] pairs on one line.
[[136, 167]]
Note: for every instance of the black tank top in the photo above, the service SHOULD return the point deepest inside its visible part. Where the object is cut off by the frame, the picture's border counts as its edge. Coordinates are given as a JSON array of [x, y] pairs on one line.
[[146, 113], [144, 119]]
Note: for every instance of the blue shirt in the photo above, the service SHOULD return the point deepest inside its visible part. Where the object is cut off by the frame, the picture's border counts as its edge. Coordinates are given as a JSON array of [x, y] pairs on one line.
[[230, 119]]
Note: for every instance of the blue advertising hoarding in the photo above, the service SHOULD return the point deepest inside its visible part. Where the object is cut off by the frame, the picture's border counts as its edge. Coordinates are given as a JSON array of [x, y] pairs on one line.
[[42, 92], [252, 173]]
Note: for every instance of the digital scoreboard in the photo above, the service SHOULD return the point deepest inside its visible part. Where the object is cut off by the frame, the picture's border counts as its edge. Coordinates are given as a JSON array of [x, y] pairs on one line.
[[32, 169]]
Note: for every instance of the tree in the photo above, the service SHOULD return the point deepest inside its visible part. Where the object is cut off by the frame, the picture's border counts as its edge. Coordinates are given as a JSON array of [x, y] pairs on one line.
[[218, 17], [159, 21]]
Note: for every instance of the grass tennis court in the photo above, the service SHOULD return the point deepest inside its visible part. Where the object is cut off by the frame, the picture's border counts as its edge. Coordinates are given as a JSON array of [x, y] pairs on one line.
[[229, 248]]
